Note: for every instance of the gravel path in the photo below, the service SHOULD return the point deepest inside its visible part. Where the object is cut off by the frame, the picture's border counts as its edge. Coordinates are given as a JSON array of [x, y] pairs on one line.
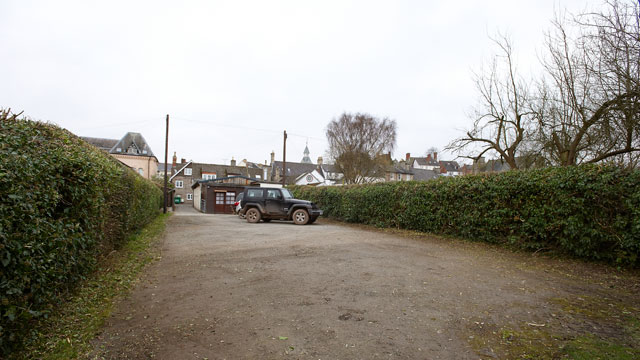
[[226, 289]]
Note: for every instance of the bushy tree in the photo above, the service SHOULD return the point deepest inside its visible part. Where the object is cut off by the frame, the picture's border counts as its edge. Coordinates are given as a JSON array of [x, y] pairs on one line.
[[357, 143]]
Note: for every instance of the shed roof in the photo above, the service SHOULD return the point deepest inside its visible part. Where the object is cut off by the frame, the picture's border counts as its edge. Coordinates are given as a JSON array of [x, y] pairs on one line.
[[221, 181]]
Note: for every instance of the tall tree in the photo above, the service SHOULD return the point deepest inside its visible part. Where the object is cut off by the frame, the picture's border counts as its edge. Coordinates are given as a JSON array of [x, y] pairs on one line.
[[503, 116], [591, 89], [584, 109], [357, 143]]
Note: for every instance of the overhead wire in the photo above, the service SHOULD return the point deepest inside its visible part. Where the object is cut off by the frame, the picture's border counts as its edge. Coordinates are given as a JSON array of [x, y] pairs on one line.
[[243, 127]]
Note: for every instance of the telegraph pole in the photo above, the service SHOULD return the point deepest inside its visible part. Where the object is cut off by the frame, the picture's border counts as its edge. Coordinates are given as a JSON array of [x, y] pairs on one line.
[[166, 152], [284, 161]]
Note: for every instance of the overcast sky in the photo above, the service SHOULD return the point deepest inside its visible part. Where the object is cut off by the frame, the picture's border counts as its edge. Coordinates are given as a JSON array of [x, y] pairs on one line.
[[234, 74]]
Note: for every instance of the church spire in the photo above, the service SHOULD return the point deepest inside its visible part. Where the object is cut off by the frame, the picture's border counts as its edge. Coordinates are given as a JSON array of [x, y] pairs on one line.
[[306, 159]]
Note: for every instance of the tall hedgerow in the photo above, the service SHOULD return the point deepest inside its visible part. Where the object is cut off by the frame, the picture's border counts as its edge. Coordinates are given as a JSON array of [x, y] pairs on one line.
[[591, 212], [63, 202]]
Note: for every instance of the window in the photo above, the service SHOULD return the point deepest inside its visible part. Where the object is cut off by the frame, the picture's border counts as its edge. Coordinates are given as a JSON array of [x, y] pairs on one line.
[[219, 198], [189, 196], [141, 171], [208, 176], [231, 197], [254, 193], [286, 194], [273, 194], [187, 171], [179, 184]]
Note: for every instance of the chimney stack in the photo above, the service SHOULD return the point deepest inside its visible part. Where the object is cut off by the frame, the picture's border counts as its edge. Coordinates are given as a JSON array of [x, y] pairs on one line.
[[182, 161], [233, 161], [273, 156], [408, 156], [173, 164], [319, 160], [435, 156]]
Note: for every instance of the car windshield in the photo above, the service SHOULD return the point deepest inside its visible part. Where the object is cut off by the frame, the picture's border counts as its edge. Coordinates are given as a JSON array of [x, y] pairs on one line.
[[286, 194]]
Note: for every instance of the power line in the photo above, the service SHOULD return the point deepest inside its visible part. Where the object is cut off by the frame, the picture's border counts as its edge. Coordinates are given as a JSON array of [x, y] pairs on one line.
[[119, 124], [244, 127]]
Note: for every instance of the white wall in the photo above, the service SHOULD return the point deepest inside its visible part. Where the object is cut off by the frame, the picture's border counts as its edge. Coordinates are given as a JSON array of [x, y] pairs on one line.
[[197, 195]]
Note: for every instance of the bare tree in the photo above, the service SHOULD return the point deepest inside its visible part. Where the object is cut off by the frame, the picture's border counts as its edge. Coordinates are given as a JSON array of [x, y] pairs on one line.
[[357, 143], [591, 92], [503, 117], [586, 105], [7, 114], [432, 151]]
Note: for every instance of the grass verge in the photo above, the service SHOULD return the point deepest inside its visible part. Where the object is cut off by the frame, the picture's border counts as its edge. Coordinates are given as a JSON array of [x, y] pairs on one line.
[[68, 331], [583, 328]]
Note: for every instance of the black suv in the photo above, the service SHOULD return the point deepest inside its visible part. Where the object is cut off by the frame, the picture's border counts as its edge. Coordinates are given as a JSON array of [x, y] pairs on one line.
[[272, 203]]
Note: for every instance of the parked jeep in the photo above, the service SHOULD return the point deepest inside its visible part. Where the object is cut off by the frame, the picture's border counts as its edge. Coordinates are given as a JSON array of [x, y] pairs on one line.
[[267, 204]]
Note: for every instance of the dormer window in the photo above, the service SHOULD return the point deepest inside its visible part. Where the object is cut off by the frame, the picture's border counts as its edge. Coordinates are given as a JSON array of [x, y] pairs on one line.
[[118, 150]]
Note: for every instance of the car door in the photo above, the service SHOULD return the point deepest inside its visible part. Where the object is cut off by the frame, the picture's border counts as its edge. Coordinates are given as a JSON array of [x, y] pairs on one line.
[[274, 203]]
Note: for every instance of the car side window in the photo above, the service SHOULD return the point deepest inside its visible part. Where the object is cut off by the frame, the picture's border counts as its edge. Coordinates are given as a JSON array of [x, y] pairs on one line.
[[273, 194], [254, 193]]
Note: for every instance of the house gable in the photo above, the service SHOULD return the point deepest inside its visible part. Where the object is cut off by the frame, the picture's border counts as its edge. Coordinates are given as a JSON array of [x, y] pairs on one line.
[[310, 178], [132, 144]]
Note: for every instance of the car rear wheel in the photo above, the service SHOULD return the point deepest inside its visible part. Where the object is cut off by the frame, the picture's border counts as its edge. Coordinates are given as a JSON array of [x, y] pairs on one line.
[[253, 215], [300, 217]]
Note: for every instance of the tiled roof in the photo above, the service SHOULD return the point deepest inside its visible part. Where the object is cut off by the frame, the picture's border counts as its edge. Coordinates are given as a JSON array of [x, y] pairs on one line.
[[423, 161], [423, 174], [132, 144], [100, 143], [397, 169], [450, 165], [161, 167], [293, 169], [225, 170], [495, 166]]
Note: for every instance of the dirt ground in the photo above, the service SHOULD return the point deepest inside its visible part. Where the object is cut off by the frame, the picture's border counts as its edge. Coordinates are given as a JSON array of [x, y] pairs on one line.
[[226, 289]]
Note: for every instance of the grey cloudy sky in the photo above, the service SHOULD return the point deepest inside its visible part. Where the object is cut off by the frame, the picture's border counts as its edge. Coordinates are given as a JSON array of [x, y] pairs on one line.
[[234, 74]]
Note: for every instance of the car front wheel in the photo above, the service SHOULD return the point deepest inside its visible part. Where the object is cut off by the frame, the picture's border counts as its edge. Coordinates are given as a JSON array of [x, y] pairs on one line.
[[253, 215], [300, 217]]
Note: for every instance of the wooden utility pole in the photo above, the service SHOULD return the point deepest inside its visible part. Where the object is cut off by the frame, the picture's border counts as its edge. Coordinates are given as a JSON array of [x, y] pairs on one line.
[[284, 161], [166, 152]]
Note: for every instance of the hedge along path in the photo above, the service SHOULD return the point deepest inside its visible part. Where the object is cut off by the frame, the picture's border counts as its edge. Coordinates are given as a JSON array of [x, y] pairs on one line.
[[589, 211], [64, 202]]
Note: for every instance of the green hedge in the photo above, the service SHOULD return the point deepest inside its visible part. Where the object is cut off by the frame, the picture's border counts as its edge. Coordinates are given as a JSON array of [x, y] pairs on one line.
[[591, 212], [64, 202]]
